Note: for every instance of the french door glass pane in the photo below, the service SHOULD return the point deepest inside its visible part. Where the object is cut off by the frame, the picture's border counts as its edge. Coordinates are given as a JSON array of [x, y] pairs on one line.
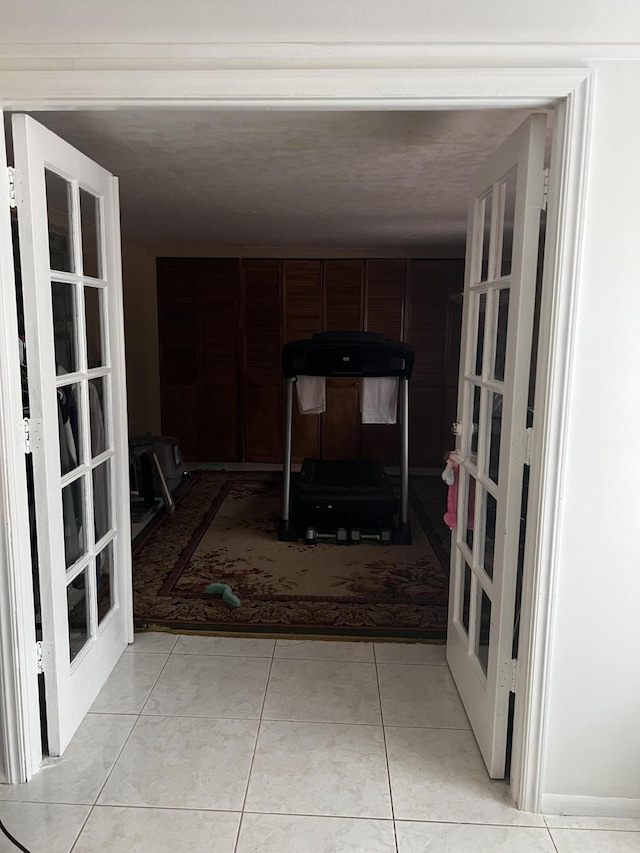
[[93, 319], [101, 499], [69, 427], [466, 598], [106, 591], [469, 506], [483, 628], [475, 420], [59, 208], [481, 301], [64, 327], [486, 237], [73, 517], [89, 219], [78, 613], [98, 416], [495, 433], [491, 508], [500, 350], [509, 189]]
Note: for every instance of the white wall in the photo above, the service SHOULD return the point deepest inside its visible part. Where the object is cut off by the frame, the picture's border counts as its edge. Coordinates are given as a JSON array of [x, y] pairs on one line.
[[593, 736], [593, 744], [329, 21]]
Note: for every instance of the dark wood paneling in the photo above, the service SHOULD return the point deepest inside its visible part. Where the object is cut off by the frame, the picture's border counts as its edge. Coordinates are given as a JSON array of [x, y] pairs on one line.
[[218, 329], [343, 295], [262, 386], [302, 317], [180, 417], [432, 331], [385, 285], [386, 282], [177, 321], [341, 421], [426, 407], [263, 423]]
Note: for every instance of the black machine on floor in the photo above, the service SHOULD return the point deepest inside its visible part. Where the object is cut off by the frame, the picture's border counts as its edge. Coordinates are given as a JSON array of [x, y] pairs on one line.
[[346, 501]]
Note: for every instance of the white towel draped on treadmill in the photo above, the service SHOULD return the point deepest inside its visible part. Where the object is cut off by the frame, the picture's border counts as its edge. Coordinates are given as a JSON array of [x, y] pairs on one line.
[[379, 400], [311, 395]]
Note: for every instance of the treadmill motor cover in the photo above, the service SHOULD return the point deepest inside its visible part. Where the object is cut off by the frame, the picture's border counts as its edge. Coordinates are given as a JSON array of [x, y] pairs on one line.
[[349, 493]]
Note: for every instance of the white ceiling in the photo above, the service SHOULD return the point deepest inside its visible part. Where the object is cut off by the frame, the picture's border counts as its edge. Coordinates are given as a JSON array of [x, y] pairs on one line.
[[395, 181]]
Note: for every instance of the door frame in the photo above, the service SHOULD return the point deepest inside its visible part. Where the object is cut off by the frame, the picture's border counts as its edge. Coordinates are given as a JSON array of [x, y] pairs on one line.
[[385, 78]]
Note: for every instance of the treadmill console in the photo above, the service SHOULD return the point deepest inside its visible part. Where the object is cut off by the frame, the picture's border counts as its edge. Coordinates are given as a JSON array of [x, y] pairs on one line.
[[347, 354]]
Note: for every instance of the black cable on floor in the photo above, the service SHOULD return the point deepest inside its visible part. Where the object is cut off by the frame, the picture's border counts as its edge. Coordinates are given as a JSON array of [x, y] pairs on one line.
[[12, 839]]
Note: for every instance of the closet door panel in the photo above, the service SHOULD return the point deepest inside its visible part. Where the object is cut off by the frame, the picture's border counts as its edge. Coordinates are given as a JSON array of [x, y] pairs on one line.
[[177, 333], [263, 424], [218, 360], [381, 441], [262, 346], [343, 295], [341, 421], [435, 337], [426, 407], [177, 321], [385, 297], [384, 313], [217, 424], [302, 311], [180, 417]]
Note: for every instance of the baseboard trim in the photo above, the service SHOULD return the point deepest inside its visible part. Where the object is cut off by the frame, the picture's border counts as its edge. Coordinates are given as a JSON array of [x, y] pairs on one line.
[[565, 804]]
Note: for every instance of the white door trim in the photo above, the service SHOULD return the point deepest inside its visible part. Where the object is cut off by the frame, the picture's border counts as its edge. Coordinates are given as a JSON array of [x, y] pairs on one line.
[[19, 702], [332, 84], [555, 348]]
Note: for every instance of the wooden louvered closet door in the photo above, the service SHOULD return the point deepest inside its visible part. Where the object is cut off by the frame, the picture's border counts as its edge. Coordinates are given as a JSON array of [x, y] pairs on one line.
[[436, 341], [385, 298], [199, 356], [302, 312], [262, 387], [178, 350], [218, 360], [343, 304]]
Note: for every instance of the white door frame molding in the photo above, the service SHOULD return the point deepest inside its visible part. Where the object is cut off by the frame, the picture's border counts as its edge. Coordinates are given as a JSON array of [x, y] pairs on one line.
[[19, 701], [187, 81]]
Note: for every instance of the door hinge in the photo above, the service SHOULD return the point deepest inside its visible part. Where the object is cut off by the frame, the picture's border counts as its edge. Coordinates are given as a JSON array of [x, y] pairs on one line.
[[12, 186], [39, 661], [528, 445], [514, 675], [26, 426], [545, 190]]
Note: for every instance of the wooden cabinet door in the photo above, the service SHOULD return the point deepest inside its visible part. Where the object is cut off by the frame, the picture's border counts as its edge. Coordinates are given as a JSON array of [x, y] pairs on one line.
[[385, 297], [431, 284], [177, 334], [262, 347], [302, 313], [218, 360], [343, 307]]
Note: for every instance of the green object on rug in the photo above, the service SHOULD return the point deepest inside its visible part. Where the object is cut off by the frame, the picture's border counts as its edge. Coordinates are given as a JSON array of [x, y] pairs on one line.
[[224, 590]]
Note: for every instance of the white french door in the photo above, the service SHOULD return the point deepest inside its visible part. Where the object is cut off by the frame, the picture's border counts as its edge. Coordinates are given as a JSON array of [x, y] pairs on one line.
[[499, 293], [68, 221]]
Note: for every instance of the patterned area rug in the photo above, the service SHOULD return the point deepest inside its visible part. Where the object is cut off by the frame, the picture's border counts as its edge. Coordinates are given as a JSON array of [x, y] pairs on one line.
[[224, 530]]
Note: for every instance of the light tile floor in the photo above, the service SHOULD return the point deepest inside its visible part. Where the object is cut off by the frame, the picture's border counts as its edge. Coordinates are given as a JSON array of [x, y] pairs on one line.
[[225, 745]]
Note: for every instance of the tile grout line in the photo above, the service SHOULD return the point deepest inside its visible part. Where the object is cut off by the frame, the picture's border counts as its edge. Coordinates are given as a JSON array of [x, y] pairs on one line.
[[386, 754], [255, 747], [120, 751]]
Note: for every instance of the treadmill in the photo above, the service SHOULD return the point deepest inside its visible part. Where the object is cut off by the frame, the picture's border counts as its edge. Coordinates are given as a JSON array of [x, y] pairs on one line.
[[346, 501]]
